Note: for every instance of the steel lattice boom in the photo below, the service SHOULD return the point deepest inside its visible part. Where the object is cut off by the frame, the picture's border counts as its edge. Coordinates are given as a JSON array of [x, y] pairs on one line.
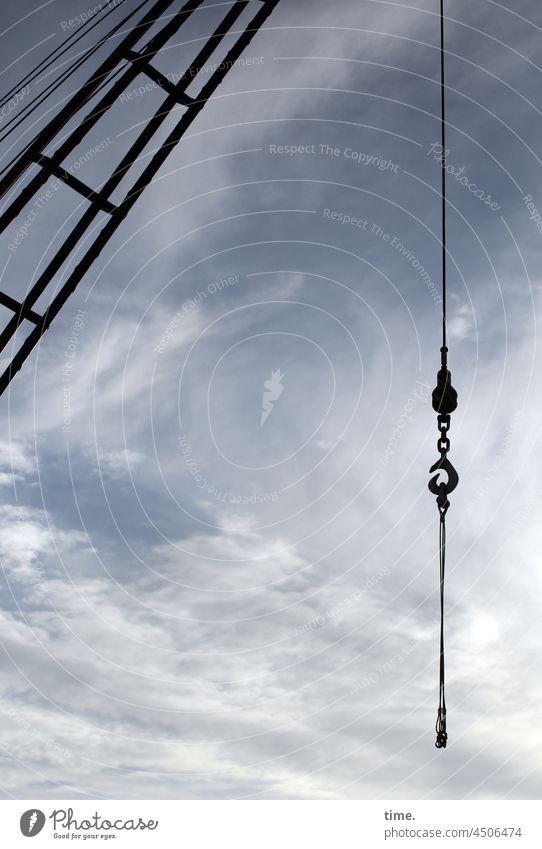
[[139, 62]]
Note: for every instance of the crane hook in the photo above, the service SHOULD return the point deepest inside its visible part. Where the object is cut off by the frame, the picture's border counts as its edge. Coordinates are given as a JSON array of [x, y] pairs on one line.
[[443, 465]]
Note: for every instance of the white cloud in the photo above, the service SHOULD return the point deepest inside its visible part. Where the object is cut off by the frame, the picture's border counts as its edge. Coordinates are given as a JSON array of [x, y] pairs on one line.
[[191, 642]]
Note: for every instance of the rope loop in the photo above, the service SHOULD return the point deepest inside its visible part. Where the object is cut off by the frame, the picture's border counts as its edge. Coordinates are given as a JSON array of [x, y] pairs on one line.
[[440, 728]]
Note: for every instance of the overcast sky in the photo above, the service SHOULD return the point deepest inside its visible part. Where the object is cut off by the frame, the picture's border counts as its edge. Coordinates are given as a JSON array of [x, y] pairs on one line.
[[219, 553]]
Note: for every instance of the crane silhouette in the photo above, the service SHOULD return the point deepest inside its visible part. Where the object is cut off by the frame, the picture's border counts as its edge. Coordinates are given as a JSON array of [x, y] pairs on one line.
[[129, 59]]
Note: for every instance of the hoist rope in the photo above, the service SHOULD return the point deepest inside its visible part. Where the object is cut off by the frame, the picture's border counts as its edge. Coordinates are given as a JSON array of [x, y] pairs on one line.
[[443, 183], [444, 403], [440, 728]]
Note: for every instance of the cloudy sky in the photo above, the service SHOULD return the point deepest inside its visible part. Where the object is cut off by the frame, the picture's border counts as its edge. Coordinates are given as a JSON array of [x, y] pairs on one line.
[[218, 550]]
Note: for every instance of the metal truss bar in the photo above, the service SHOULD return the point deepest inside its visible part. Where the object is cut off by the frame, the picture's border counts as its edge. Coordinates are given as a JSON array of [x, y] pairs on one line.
[[164, 110], [76, 184], [138, 188], [159, 78], [211, 44], [83, 95], [128, 160], [20, 309], [48, 134]]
